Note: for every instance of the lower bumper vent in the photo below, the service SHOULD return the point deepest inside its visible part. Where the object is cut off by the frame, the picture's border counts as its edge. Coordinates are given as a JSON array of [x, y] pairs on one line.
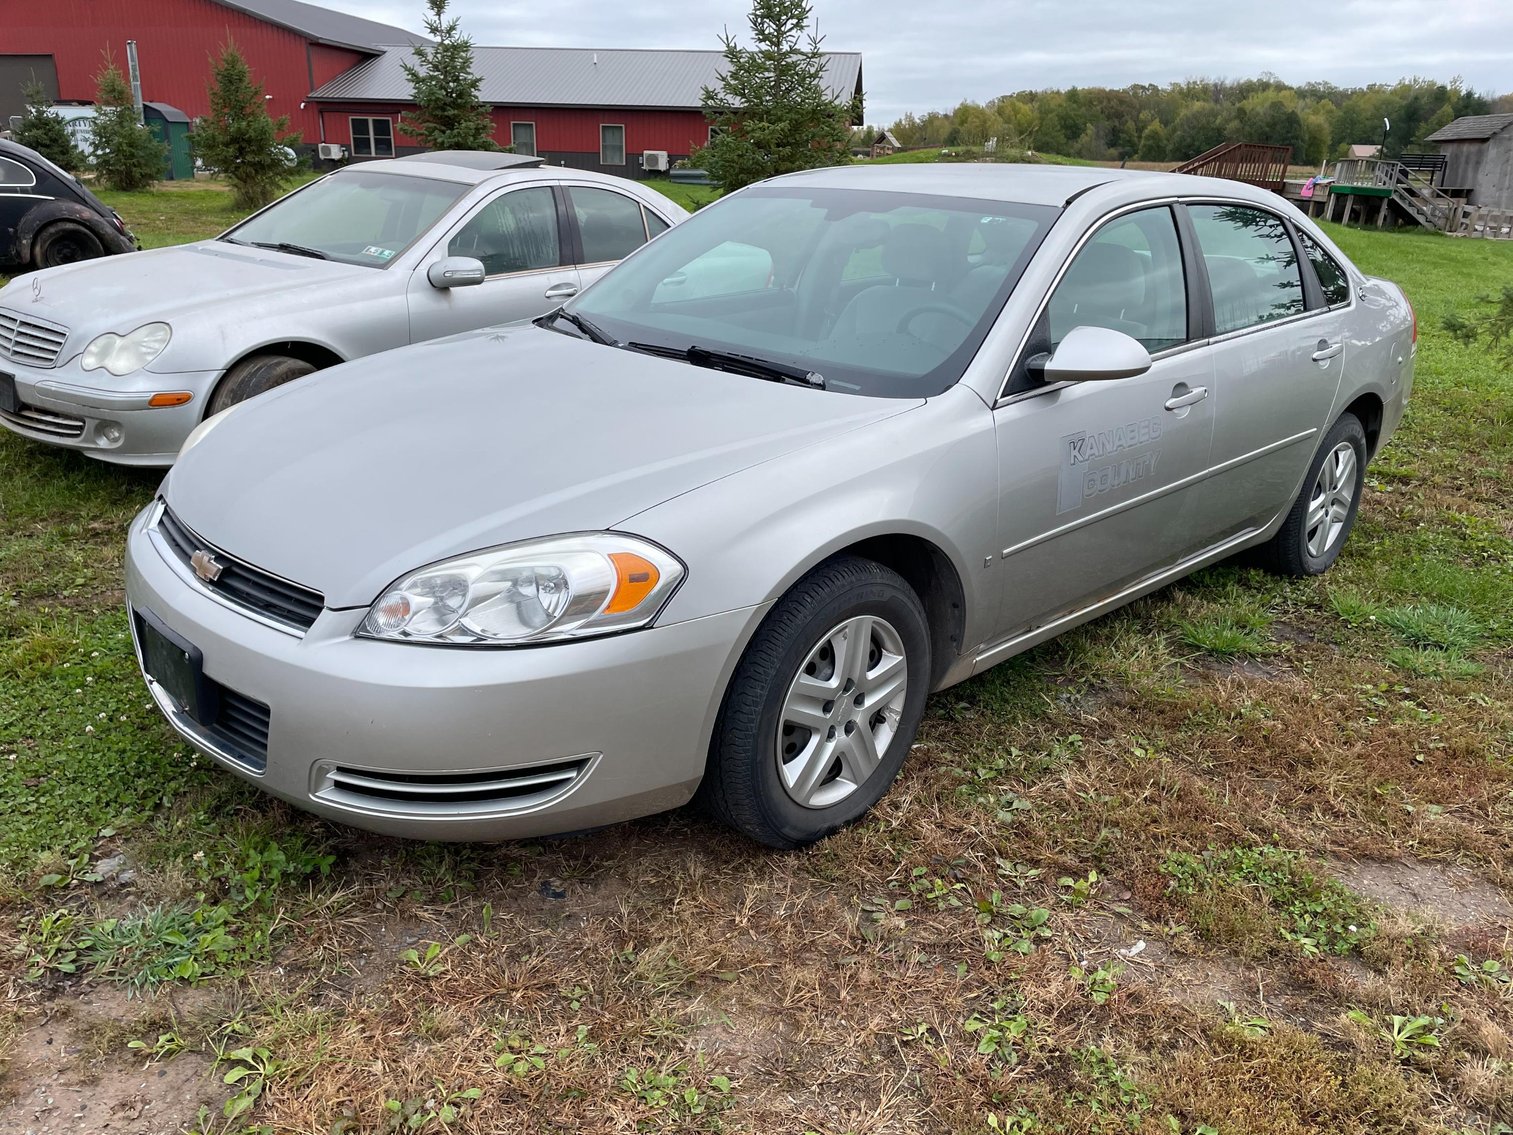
[[48, 422], [485, 792]]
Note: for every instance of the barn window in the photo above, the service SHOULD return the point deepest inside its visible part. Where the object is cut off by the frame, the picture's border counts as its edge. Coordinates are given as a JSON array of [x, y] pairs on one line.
[[523, 138], [372, 137], [611, 145]]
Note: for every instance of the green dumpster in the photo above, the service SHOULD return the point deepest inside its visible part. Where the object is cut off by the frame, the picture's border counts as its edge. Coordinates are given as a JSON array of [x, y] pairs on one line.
[[170, 125]]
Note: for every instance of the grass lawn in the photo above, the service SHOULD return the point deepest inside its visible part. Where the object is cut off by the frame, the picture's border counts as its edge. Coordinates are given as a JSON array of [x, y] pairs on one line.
[[1234, 860]]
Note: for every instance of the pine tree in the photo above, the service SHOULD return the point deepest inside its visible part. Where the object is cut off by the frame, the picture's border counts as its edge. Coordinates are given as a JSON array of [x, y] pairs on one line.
[[126, 155], [238, 139], [41, 129], [445, 87], [772, 112]]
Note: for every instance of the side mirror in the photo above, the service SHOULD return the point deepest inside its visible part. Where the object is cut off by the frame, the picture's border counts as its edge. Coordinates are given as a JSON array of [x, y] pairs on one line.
[[1094, 354], [456, 272]]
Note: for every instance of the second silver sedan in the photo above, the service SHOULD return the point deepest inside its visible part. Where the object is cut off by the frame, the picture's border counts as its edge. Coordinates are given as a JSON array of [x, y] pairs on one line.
[[120, 358]]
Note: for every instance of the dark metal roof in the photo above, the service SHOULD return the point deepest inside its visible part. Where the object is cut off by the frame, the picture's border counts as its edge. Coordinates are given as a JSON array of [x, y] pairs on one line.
[[325, 26], [1472, 128], [168, 113], [569, 76], [476, 159]]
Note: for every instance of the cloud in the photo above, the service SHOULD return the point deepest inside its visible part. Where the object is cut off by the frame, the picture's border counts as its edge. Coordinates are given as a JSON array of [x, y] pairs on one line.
[[921, 57]]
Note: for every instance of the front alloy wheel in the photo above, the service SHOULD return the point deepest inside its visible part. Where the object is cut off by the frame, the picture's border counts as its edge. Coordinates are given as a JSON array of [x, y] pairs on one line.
[[823, 706]]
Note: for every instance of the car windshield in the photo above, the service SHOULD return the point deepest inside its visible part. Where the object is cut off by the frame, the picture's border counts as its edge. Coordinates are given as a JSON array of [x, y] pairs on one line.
[[355, 216], [869, 292]]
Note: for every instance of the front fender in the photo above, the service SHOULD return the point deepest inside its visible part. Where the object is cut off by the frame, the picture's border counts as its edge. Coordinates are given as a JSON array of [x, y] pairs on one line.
[[930, 473], [39, 218]]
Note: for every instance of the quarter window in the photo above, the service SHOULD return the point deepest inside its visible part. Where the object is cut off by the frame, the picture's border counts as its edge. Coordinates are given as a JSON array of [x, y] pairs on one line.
[[1253, 270], [515, 232], [1332, 278], [655, 225], [523, 138], [610, 224], [372, 137], [14, 174], [1128, 278], [611, 145]]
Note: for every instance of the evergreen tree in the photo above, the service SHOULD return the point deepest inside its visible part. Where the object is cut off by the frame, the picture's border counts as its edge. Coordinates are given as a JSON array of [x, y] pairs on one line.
[[1153, 143], [772, 113], [41, 129], [445, 87], [238, 139], [126, 155]]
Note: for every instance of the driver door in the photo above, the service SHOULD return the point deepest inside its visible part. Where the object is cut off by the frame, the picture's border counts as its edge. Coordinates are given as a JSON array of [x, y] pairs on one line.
[[1097, 479], [519, 236]]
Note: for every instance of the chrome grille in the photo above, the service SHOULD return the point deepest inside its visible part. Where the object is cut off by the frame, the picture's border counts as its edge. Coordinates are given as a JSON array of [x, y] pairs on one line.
[[259, 591], [486, 791], [40, 421], [30, 341]]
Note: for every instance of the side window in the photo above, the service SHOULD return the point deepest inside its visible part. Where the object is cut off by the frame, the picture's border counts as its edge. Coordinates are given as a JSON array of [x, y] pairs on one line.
[[727, 269], [16, 174], [611, 145], [1253, 269], [610, 223], [523, 138], [655, 225], [1129, 278], [1331, 276], [515, 232]]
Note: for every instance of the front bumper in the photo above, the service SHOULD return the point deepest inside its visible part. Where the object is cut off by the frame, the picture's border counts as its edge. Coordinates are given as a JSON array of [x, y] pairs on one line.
[[67, 407], [452, 743]]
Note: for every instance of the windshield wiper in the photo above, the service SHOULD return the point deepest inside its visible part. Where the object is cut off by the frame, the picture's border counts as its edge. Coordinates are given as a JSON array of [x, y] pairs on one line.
[[754, 367], [231, 240], [588, 330], [296, 249]]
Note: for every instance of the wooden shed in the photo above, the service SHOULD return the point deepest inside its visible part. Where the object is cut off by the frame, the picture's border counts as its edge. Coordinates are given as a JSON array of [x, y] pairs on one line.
[[1479, 153]]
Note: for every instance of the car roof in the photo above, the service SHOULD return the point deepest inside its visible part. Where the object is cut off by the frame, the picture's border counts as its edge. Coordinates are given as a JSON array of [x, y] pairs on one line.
[[438, 170], [1020, 182], [476, 159]]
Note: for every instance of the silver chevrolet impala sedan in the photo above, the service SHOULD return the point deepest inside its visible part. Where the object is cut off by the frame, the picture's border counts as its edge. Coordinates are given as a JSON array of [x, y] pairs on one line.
[[719, 525], [121, 358]]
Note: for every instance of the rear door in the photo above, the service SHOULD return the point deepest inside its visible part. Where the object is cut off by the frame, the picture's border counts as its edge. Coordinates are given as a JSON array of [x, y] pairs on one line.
[[607, 226], [1279, 354], [521, 238], [1097, 478]]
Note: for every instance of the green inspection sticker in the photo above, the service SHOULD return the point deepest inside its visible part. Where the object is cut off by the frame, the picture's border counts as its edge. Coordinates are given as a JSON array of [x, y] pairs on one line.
[[381, 253]]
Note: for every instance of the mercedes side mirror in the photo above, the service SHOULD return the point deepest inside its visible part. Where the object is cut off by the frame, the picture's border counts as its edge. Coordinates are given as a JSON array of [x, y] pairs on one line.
[[456, 272]]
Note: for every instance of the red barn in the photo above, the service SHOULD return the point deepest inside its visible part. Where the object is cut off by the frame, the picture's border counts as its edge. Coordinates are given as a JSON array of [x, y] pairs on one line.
[[291, 47], [340, 80]]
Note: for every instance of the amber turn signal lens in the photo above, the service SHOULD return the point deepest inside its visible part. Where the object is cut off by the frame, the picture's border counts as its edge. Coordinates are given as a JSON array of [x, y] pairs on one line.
[[634, 579], [173, 398]]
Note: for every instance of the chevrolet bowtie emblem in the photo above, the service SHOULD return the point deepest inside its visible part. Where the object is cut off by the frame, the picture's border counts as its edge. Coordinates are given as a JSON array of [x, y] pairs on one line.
[[205, 566]]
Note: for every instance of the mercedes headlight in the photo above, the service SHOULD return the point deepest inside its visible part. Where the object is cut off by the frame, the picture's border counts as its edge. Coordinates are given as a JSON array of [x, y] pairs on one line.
[[122, 354], [545, 590]]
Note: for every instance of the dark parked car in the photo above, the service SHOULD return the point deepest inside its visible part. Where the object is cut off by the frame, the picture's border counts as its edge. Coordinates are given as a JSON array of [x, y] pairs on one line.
[[48, 218]]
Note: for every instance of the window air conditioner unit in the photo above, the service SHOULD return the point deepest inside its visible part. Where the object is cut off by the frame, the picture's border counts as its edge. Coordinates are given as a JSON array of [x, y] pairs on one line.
[[655, 160], [332, 151]]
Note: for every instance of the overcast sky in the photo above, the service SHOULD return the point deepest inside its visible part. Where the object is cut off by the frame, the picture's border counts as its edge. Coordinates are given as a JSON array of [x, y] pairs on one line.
[[924, 56]]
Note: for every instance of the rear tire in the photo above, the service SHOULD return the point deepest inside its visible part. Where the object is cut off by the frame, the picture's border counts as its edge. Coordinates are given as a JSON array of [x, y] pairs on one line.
[[1320, 520], [64, 242], [852, 629], [255, 376]]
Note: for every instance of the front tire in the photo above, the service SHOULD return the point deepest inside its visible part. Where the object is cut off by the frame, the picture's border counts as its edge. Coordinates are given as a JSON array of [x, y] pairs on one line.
[[64, 242], [823, 707], [1320, 520], [255, 376]]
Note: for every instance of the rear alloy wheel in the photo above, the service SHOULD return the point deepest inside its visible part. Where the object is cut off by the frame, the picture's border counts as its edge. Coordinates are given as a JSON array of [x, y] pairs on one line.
[[823, 707], [1315, 530], [64, 242], [255, 376]]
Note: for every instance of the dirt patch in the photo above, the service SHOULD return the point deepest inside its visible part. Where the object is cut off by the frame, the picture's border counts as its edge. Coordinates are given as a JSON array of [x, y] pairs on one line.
[[1435, 892], [57, 1084]]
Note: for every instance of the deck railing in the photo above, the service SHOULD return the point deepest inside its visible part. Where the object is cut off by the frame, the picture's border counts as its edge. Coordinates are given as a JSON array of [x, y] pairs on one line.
[[1257, 163]]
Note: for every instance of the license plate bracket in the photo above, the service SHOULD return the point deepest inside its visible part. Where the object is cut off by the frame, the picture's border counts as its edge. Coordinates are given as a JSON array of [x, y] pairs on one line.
[[177, 666]]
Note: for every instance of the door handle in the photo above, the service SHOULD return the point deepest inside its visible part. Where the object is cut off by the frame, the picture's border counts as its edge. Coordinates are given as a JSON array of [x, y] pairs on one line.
[[561, 291], [1327, 350], [1191, 398]]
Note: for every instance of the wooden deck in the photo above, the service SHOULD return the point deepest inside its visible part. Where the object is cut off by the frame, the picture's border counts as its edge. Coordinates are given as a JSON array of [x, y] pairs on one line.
[[1407, 192]]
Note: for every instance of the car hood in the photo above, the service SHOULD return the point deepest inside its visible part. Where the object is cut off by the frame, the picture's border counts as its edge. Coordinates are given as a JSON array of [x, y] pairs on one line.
[[118, 293], [348, 479]]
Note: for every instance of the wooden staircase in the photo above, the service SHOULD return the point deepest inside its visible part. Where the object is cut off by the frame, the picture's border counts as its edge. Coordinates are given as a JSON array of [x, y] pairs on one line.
[[1413, 196], [1257, 163]]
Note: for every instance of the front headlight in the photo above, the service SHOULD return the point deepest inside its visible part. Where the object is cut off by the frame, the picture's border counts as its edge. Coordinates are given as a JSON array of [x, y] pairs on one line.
[[537, 591], [122, 354]]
